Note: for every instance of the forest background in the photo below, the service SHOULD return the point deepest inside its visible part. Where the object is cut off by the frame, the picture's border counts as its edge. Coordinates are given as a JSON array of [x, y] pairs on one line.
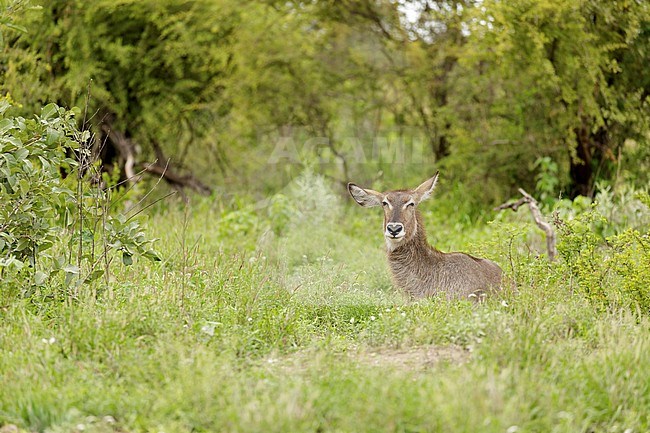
[[551, 96]]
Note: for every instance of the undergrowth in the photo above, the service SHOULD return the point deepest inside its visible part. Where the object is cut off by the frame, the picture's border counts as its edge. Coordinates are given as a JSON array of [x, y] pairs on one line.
[[259, 316]]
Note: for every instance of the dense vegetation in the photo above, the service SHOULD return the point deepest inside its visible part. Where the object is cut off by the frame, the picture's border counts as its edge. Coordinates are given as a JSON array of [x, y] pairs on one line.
[[258, 299], [488, 90]]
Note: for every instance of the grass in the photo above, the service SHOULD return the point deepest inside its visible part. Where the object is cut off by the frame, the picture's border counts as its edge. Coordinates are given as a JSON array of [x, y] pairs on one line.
[[244, 330]]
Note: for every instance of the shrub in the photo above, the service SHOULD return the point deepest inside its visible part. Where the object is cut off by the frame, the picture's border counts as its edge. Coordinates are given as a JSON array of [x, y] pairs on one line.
[[611, 271], [51, 217], [35, 201]]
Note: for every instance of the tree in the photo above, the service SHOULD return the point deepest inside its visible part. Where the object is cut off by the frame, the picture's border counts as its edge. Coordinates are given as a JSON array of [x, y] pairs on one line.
[[491, 86], [569, 76], [152, 74]]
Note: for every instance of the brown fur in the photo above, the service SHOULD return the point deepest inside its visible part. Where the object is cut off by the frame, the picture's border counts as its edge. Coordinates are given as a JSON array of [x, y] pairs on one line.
[[418, 268]]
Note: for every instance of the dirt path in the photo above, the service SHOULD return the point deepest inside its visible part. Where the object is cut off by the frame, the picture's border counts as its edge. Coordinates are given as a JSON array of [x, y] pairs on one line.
[[412, 358]]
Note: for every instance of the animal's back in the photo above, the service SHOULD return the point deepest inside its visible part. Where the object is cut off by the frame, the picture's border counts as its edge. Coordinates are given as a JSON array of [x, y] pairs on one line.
[[455, 275]]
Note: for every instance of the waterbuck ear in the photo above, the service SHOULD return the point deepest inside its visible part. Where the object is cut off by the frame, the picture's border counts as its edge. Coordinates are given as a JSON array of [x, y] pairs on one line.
[[424, 191], [365, 197]]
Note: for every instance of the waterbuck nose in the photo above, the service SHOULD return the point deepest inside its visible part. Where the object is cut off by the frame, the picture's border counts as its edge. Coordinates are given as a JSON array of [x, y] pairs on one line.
[[394, 228]]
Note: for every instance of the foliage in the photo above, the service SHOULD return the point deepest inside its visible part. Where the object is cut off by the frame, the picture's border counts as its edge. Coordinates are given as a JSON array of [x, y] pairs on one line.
[[9, 10], [320, 340], [558, 79], [547, 181], [609, 266], [155, 71], [50, 225], [33, 155], [368, 90]]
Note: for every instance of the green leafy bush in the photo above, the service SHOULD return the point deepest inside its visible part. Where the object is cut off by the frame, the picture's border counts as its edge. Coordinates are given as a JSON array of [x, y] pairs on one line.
[[547, 182], [34, 197], [238, 223], [611, 271], [51, 218]]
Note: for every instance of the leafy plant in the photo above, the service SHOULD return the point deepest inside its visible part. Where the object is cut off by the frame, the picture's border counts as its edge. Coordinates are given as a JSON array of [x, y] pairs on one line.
[[546, 180], [32, 155], [612, 271], [53, 218]]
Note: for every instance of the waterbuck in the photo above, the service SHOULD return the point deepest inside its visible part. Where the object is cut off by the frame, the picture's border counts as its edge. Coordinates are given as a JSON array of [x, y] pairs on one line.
[[417, 267]]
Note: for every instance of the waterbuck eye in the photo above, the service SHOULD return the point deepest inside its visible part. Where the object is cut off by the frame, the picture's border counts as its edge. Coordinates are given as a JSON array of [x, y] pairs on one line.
[[384, 203], [410, 204]]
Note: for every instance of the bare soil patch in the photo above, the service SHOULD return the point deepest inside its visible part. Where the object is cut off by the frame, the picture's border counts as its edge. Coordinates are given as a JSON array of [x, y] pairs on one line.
[[409, 359], [412, 358]]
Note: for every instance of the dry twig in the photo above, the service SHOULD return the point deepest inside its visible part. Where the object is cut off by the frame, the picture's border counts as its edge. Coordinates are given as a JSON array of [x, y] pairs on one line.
[[539, 220]]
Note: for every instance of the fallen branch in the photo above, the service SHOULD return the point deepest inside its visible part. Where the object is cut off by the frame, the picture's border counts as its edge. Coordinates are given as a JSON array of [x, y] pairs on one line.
[[539, 220], [122, 152], [176, 180], [162, 167]]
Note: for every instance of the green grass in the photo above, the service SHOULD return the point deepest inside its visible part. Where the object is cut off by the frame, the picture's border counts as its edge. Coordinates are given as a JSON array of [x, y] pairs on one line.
[[302, 331]]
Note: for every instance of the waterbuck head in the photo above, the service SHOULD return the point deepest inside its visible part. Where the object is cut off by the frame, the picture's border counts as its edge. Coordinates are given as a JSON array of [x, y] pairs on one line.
[[400, 216]]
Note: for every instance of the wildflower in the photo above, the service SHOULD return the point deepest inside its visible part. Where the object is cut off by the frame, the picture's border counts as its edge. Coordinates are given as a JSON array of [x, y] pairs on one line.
[[208, 329]]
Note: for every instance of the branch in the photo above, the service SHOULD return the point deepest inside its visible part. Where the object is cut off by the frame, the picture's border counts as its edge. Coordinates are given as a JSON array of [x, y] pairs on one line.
[[176, 180], [539, 220], [514, 205], [127, 160]]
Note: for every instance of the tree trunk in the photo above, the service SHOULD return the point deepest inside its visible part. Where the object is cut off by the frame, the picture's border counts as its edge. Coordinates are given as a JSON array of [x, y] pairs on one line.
[[591, 160], [581, 170], [117, 151]]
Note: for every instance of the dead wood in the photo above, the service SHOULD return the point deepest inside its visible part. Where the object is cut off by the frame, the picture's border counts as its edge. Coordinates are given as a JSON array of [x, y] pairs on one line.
[[537, 217], [176, 180], [124, 155]]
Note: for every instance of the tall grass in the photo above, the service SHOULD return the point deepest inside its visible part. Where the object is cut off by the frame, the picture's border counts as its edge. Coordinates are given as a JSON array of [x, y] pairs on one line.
[[283, 321]]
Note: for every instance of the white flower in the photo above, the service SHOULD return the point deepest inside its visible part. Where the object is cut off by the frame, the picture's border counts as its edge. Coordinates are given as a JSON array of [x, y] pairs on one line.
[[352, 320], [372, 318], [250, 319], [209, 328]]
